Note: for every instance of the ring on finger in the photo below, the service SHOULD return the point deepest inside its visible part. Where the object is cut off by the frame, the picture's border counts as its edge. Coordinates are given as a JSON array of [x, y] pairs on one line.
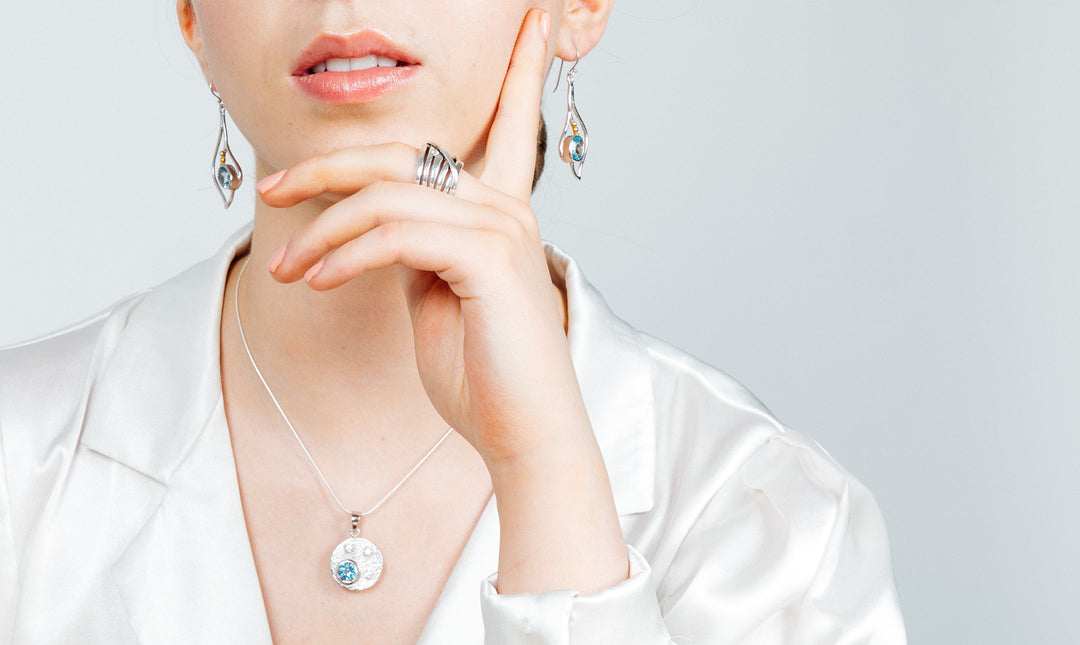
[[436, 168]]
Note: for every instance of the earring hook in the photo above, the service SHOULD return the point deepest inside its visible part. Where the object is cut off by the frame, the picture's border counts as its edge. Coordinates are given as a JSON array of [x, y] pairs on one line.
[[569, 75]]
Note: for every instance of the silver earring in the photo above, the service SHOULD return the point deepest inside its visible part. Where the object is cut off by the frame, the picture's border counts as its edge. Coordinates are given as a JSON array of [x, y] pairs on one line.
[[224, 168], [574, 142]]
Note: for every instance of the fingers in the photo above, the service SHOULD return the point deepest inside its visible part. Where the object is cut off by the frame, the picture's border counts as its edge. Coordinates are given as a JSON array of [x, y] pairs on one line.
[[389, 203], [511, 149], [349, 170], [426, 246]]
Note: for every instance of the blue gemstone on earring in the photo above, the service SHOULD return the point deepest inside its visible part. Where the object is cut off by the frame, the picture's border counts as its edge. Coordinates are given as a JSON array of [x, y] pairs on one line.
[[347, 572], [576, 149], [224, 176]]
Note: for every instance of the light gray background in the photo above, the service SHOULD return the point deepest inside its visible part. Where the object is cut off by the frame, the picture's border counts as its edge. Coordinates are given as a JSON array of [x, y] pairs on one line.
[[866, 211]]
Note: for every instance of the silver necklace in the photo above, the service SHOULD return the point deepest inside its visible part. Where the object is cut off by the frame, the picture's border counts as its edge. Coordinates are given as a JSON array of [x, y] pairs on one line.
[[355, 563]]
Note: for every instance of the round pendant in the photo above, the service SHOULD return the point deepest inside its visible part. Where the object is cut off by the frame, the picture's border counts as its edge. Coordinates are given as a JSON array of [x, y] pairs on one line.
[[356, 564]]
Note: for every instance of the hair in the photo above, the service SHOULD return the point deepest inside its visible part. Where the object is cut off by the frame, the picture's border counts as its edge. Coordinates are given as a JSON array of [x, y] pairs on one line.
[[541, 150]]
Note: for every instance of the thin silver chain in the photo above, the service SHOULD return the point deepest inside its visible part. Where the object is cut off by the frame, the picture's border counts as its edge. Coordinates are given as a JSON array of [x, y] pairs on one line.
[[243, 339]]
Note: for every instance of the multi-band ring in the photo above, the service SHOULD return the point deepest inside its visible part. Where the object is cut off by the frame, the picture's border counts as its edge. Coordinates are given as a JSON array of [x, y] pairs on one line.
[[436, 168]]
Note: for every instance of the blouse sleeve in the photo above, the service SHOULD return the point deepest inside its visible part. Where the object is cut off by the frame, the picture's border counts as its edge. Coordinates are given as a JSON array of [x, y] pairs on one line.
[[790, 549], [626, 613], [8, 572]]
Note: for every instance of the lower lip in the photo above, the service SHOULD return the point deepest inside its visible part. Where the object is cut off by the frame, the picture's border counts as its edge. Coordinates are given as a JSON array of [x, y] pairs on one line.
[[360, 86]]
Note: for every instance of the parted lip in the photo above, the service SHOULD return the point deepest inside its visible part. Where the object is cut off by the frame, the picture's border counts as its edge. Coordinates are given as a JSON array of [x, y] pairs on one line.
[[355, 45]]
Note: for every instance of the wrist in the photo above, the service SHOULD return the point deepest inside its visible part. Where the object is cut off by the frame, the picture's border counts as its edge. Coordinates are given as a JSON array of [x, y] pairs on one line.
[[558, 524], [566, 454]]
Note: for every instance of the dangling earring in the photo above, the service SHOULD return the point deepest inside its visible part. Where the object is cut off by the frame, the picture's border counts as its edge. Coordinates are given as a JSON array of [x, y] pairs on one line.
[[224, 168], [574, 143]]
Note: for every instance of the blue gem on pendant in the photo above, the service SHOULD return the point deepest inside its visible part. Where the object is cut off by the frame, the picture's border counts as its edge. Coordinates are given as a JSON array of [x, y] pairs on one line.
[[356, 563], [347, 572]]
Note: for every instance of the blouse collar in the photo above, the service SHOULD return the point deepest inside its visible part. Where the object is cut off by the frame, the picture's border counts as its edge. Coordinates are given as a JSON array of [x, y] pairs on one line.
[[165, 342]]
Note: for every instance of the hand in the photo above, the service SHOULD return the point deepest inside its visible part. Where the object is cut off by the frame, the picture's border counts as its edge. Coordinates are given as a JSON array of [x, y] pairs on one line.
[[488, 323], [488, 326]]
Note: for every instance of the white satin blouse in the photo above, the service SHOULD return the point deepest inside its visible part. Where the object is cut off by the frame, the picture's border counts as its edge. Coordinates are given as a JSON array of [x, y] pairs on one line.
[[120, 515]]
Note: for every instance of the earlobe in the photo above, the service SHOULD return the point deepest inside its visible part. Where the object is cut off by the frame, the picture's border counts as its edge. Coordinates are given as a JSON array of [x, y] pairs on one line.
[[583, 24]]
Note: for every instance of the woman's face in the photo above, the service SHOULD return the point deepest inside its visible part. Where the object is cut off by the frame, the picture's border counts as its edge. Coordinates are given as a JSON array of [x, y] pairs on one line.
[[456, 57]]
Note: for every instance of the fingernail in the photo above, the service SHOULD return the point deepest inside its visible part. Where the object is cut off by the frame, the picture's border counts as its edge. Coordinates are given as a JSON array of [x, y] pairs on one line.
[[545, 24], [271, 181], [275, 261], [313, 271]]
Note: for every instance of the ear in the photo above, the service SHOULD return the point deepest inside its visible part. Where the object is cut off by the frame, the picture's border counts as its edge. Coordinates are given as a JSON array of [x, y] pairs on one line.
[[189, 29], [583, 22]]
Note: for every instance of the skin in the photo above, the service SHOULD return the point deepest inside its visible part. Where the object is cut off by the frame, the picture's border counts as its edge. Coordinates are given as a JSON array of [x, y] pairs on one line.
[[380, 312]]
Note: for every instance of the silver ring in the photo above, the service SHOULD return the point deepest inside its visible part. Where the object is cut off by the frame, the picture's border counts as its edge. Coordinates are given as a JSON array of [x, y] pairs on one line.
[[436, 168]]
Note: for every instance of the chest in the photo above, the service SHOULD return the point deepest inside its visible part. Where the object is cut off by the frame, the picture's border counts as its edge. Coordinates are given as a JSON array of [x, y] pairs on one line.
[[293, 525]]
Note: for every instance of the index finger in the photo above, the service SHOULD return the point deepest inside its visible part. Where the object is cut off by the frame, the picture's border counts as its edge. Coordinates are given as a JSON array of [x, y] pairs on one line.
[[510, 157]]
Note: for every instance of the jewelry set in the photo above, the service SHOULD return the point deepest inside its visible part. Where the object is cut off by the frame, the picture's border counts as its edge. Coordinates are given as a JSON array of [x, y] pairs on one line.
[[356, 563], [435, 167]]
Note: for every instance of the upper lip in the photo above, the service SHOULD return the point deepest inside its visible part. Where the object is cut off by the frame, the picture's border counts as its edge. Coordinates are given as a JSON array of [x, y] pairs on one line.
[[354, 45]]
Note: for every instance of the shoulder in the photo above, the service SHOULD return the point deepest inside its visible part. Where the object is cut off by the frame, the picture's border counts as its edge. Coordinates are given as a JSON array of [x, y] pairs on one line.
[[701, 404], [750, 529], [688, 431], [701, 427], [43, 380], [152, 355], [714, 437]]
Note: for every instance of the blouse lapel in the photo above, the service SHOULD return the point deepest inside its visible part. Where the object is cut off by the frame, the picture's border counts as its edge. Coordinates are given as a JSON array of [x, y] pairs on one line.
[[188, 575]]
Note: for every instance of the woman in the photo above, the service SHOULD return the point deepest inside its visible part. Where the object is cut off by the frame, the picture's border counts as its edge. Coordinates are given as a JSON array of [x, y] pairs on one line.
[[390, 373]]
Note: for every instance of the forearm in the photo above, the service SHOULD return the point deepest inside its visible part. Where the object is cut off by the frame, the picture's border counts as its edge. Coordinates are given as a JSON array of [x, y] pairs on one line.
[[559, 528]]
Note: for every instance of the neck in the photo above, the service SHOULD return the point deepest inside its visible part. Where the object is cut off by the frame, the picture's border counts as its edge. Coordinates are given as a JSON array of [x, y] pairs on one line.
[[334, 353], [360, 325], [333, 356]]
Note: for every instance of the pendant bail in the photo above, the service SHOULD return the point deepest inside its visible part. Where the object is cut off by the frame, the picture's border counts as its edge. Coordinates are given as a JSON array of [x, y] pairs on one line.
[[355, 532]]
